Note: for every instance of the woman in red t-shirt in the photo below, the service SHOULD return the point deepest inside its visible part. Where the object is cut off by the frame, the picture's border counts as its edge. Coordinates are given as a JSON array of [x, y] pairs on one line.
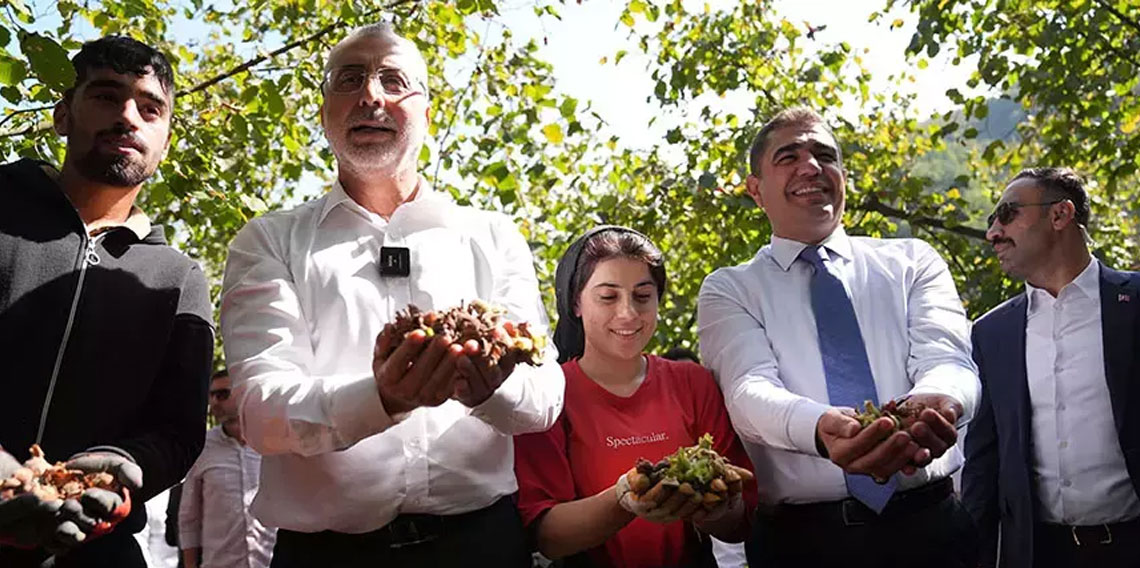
[[621, 405]]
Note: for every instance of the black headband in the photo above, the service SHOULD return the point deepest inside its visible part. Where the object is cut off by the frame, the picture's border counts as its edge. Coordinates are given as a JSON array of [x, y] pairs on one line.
[[569, 335]]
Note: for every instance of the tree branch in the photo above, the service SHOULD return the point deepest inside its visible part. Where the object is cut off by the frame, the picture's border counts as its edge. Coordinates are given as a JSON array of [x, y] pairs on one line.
[[459, 101], [12, 114], [246, 66], [1123, 18], [283, 49], [877, 206]]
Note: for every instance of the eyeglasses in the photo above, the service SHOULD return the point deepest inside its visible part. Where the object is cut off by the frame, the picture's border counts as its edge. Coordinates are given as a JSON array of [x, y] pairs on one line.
[[220, 394], [350, 79], [1006, 212]]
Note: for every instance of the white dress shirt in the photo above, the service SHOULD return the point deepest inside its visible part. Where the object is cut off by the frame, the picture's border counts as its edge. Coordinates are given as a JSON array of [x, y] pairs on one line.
[[1078, 465], [303, 302], [214, 512], [758, 335]]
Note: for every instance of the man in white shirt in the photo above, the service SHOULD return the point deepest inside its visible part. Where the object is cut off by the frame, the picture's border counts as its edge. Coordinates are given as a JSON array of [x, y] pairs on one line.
[[1053, 455], [398, 461], [216, 529], [816, 323]]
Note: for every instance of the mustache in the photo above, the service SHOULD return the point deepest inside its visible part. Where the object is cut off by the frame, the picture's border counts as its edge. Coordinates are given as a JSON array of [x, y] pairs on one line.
[[123, 134], [371, 116], [1001, 240]]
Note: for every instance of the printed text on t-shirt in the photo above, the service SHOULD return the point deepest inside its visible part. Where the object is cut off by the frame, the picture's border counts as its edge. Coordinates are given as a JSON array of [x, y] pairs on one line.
[[615, 443]]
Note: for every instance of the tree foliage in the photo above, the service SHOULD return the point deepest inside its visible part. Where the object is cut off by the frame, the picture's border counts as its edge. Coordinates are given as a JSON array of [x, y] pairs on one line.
[[247, 136]]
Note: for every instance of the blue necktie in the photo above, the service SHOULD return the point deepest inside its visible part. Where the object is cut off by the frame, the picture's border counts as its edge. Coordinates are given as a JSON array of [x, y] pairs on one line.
[[845, 364]]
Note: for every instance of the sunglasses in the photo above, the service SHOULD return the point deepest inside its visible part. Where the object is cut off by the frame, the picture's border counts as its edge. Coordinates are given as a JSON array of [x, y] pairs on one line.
[[220, 394], [1006, 212]]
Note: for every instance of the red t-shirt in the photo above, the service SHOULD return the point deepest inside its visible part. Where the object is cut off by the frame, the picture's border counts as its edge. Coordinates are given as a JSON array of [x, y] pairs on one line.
[[600, 435]]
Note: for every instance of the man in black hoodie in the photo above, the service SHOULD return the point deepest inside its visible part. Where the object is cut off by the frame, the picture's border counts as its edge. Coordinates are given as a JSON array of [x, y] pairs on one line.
[[105, 330]]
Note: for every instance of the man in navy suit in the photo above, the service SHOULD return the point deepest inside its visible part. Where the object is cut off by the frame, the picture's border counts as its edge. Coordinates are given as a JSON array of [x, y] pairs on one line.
[[1053, 454]]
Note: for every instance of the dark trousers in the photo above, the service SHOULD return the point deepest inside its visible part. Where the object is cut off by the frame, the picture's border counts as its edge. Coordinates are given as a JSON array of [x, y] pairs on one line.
[[936, 533], [1104, 546], [488, 537], [116, 550]]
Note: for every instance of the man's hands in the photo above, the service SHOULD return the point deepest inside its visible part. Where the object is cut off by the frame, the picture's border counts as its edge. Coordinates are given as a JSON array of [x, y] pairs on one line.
[[100, 510], [478, 378], [935, 428], [427, 372], [26, 521], [873, 451], [878, 451]]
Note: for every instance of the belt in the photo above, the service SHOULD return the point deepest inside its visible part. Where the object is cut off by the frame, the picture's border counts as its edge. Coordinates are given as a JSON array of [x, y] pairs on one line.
[[408, 529], [1093, 535], [850, 512]]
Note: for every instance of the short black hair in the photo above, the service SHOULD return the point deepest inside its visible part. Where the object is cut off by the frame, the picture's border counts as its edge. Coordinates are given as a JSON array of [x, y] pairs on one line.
[[220, 374], [123, 55], [794, 116], [679, 353], [1062, 183]]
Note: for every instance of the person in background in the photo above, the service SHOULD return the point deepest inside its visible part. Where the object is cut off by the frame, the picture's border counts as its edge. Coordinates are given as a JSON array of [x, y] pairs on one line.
[[728, 554], [152, 539], [105, 330], [816, 323], [1053, 456], [216, 529], [621, 405]]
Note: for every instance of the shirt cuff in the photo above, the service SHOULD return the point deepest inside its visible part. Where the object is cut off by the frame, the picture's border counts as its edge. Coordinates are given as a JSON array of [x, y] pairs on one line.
[[802, 422], [499, 409], [954, 381], [357, 411]]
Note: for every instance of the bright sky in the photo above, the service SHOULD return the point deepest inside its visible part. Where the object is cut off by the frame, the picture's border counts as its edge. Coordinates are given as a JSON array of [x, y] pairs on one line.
[[576, 44]]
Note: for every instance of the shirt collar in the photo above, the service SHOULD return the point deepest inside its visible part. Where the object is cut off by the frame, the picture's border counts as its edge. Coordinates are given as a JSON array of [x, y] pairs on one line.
[[337, 196], [786, 251], [137, 222], [1088, 282]]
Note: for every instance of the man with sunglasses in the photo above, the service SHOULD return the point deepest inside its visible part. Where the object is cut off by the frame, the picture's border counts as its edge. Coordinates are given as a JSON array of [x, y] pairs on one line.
[[215, 527], [1053, 456], [371, 458]]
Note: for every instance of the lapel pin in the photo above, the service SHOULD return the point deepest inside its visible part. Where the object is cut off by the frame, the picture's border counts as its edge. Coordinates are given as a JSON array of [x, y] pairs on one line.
[[1123, 298]]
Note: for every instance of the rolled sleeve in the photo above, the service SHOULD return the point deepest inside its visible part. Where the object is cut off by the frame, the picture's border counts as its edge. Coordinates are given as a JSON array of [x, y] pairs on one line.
[[939, 332], [735, 345], [284, 408]]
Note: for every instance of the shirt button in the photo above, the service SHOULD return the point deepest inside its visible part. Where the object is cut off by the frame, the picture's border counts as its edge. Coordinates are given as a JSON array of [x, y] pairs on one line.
[[1066, 483], [1061, 407], [1064, 445]]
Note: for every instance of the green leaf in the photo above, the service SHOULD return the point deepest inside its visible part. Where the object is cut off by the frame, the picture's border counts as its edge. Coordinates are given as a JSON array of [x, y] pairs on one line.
[[553, 133], [12, 71], [273, 101], [568, 106], [49, 61]]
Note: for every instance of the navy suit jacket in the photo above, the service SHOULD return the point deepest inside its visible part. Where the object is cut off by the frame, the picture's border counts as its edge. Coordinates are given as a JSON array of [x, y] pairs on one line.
[[997, 480]]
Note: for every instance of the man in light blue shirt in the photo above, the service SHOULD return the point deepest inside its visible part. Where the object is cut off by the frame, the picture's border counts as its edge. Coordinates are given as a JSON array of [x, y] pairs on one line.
[[813, 325]]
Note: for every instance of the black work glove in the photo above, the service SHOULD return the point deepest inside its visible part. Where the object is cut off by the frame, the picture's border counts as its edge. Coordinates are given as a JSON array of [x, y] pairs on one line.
[[26, 521], [100, 510]]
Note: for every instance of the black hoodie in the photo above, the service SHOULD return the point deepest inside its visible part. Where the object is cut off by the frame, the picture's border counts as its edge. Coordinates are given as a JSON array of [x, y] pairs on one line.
[[104, 341]]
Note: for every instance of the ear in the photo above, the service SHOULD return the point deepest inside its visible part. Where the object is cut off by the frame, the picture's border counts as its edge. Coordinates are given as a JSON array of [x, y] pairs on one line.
[[752, 184], [321, 113], [59, 117], [1062, 214]]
